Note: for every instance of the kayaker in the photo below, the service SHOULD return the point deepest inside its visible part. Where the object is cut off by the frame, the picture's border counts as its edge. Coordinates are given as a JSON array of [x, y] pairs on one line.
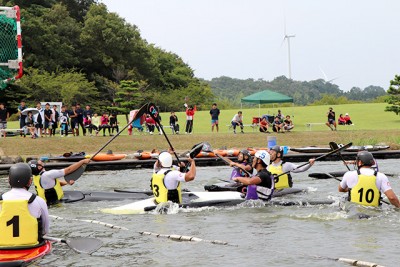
[[244, 163], [24, 217], [263, 179], [366, 184], [166, 179], [48, 183], [278, 166]]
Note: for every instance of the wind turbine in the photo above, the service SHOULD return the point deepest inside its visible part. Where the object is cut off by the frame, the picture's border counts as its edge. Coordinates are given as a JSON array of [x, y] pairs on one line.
[[326, 77], [287, 37]]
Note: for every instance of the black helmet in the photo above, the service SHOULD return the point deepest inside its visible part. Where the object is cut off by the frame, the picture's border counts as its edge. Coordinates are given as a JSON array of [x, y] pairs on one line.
[[245, 152], [34, 167], [366, 158], [19, 175], [277, 149]]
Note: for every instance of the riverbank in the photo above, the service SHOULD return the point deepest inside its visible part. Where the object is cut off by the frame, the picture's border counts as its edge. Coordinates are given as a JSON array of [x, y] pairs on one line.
[[56, 146]]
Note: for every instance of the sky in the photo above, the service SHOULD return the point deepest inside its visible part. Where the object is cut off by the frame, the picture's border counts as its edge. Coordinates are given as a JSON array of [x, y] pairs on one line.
[[355, 42]]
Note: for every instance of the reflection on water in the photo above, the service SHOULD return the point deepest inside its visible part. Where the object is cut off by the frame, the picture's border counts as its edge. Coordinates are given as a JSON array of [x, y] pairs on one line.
[[260, 234]]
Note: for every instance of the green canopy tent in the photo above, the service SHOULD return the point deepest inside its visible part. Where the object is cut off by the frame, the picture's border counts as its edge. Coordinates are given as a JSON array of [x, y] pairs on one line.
[[267, 97]]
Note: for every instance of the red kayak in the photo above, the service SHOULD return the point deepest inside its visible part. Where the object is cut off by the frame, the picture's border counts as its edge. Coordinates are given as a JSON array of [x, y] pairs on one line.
[[19, 257]]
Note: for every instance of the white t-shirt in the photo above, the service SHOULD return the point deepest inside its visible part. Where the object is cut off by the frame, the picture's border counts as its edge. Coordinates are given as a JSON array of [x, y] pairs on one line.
[[48, 178], [172, 178], [350, 179], [38, 208], [237, 118]]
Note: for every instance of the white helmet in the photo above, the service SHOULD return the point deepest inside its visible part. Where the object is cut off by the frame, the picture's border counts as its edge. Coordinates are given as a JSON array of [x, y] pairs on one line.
[[165, 159], [263, 155]]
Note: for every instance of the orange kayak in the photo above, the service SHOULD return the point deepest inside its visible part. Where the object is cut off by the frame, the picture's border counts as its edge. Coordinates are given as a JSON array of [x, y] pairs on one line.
[[107, 157], [20, 257], [145, 155]]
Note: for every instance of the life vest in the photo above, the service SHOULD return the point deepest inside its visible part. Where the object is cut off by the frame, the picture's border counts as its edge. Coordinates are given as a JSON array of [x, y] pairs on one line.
[[51, 195], [160, 191], [365, 192], [284, 181], [238, 172], [18, 228]]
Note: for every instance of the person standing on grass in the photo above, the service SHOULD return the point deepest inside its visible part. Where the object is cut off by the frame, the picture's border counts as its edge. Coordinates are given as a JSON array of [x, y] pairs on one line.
[[237, 120], [214, 113], [73, 115], [4, 115], [48, 123], [189, 118], [64, 117], [54, 119], [22, 118], [39, 119], [114, 122], [173, 122], [79, 119], [331, 119]]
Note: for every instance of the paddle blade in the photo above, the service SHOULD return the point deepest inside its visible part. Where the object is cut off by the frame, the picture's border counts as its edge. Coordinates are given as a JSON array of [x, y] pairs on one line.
[[153, 111], [85, 245], [76, 174], [196, 149]]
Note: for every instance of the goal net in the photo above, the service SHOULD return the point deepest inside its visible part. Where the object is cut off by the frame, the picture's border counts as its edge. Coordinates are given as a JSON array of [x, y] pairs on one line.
[[10, 45]]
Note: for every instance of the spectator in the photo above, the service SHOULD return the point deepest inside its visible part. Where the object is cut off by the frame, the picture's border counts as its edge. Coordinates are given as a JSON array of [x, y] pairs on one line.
[[54, 118], [347, 119], [87, 112], [214, 113], [48, 123], [73, 115], [22, 118], [237, 120], [173, 119], [114, 122], [4, 115], [280, 115], [64, 118], [87, 123], [341, 120], [189, 119], [331, 119], [150, 123], [95, 123], [288, 124], [264, 125], [104, 124], [29, 125], [277, 125], [79, 112], [39, 119]]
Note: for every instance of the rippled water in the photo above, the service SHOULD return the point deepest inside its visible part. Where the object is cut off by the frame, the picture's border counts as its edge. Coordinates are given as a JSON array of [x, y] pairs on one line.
[[261, 235]]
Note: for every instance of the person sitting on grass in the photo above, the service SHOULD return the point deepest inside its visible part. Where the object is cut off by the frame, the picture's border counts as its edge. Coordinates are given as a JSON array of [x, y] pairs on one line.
[[288, 124], [341, 120], [29, 125], [347, 119], [277, 125], [104, 124], [264, 125]]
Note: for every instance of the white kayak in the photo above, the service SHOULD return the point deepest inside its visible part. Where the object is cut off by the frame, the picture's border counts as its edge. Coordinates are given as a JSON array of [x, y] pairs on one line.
[[190, 199]]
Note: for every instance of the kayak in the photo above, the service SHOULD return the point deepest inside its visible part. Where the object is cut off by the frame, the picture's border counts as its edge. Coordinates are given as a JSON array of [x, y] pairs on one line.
[[74, 196], [22, 256], [190, 200], [314, 149], [108, 157]]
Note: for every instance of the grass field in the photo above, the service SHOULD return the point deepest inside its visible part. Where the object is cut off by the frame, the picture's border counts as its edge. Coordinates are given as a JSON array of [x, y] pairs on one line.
[[372, 126]]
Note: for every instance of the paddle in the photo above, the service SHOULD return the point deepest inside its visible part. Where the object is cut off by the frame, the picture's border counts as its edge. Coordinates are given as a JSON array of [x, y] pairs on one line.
[[320, 157], [335, 146], [153, 111], [86, 245], [78, 172], [229, 162]]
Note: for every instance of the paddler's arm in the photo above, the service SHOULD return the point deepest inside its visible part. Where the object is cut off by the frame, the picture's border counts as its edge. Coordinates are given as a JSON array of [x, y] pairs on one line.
[[191, 174], [248, 181], [392, 198], [304, 168], [240, 166]]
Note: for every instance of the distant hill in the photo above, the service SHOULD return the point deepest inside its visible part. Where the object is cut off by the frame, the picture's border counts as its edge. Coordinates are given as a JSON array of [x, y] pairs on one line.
[[302, 92]]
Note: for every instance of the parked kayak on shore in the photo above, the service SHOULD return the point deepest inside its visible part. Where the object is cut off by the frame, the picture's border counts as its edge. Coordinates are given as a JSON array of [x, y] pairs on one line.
[[22, 256]]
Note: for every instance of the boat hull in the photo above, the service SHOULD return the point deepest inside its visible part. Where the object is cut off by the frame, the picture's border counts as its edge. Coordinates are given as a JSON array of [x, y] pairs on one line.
[[20, 257]]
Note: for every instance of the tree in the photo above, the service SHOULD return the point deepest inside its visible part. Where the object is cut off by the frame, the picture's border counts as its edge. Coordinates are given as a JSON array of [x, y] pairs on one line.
[[128, 96], [394, 95]]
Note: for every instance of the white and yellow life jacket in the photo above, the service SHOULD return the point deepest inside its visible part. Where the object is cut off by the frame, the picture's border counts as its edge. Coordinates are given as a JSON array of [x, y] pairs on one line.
[[160, 191]]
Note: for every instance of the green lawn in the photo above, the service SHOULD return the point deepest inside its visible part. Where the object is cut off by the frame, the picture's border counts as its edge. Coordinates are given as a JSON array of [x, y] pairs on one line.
[[364, 116]]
